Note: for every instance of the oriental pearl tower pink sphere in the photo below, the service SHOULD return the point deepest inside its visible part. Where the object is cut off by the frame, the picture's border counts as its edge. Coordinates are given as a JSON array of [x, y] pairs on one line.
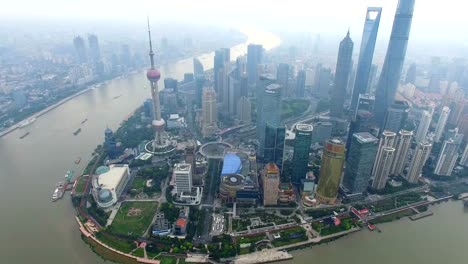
[[153, 75]]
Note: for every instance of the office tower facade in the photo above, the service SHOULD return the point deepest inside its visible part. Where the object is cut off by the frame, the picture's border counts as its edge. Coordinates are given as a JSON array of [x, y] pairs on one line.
[[221, 59], [209, 112], [300, 84], [423, 128], [383, 159], [254, 58], [198, 69], [270, 112], [323, 83], [183, 178], [244, 85], [80, 49], [270, 184], [274, 144], [244, 110], [333, 159], [94, 51], [440, 127], [411, 74], [360, 162], [393, 64], [464, 158], [396, 116], [402, 146], [457, 107], [300, 158], [366, 53], [199, 84], [343, 68], [233, 94], [282, 76], [361, 123], [447, 158], [422, 152]]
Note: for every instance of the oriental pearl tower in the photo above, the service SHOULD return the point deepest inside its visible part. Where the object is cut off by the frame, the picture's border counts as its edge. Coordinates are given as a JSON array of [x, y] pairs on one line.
[[161, 144]]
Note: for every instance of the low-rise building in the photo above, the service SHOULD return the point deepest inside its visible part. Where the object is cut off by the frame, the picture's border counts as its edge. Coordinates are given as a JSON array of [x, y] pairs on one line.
[[109, 183]]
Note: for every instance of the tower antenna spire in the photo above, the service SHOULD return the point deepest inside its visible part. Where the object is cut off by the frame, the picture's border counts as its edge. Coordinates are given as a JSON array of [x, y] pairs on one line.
[[151, 53]]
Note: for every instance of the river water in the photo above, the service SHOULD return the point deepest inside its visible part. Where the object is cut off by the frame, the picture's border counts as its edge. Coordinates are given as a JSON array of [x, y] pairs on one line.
[[32, 228]]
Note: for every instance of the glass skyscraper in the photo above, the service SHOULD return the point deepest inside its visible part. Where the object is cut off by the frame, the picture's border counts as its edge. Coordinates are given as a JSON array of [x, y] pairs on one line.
[[360, 162], [300, 159], [270, 112], [366, 53], [393, 64], [274, 144]]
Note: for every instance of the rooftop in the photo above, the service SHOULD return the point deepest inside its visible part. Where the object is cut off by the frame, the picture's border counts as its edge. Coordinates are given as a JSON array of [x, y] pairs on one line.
[[231, 164], [365, 137], [304, 127]]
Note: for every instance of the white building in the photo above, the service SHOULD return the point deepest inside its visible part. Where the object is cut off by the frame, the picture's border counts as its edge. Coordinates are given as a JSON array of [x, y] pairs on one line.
[[183, 178], [109, 185], [423, 126], [209, 122], [387, 139], [382, 170], [441, 123], [447, 158], [418, 160], [464, 158], [402, 147]]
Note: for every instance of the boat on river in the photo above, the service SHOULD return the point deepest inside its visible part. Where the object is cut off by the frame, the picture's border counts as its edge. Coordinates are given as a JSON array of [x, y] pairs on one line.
[[59, 191], [77, 131], [84, 120], [78, 160], [24, 135]]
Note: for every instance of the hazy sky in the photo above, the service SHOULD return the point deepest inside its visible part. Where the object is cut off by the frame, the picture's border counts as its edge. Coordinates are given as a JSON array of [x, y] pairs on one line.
[[434, 20]]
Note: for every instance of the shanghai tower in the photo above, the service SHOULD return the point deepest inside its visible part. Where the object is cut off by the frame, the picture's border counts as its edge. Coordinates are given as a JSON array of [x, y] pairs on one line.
[[366, 53], [393, 64]]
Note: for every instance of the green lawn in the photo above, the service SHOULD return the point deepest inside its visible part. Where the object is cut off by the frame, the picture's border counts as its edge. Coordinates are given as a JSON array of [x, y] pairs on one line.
[[167, 260], [116, 243], [139, 183], [139, 253], [80, 186], [133, 224]]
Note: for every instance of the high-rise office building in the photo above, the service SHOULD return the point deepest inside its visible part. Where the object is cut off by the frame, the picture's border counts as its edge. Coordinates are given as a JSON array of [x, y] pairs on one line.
[[361, 123], [233, 94], [254, 58], [393, 64], [422, 152], [80, 48], [411, 74], [333, 159], [323, 83], [301, 153], [343, 68], [457, 107], [270, 112], [360, 162], [199, 84], [270, 184], [198, 69], [244, 85], [447, 158], [273, 150], [365, 102], [366, 53], [396, 116], [209, 123], [183, 178], [94, 51], [300, 84], [221, 59], [423, 128], [282, 76], [440, 127], [402, 146], [244, 110], [383, 159]]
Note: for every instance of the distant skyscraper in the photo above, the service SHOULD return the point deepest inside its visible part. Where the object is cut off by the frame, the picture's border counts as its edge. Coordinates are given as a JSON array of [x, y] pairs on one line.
[[221, 58], [80, 49], [396, 116], [300, 84], [366, 53], [323, 83], [333, 159], [411, 74], [301, 153], [282, 76], [233, 94], [383, 159], [270, 184], [418, 160], [393, 64], [423, 127], [209, 123], [199, 84], [244, 110], [360, 162], [183, 178], [254, 57], [244, 85], [447, 158], [402, 147], [270, 112], [94, 50], [198, 68], [343, 68], [439, 131], [273, 150]]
